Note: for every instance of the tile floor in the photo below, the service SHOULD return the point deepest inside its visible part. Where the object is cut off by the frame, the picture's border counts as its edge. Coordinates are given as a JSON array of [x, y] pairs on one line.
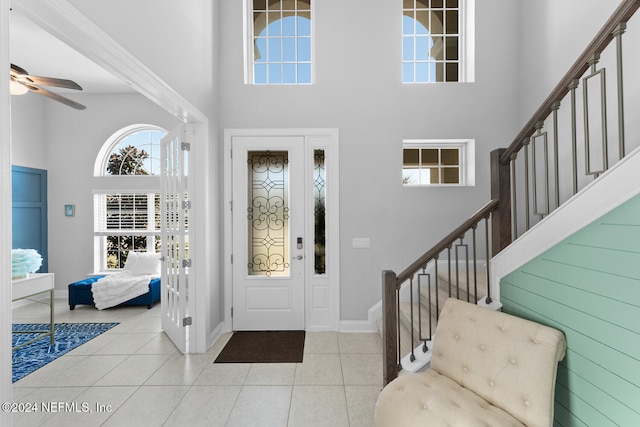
[[133, 375]]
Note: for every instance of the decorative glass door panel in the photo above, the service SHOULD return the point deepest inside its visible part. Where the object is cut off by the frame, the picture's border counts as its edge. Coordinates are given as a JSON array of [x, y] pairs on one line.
[[268, 213], [269, 242]]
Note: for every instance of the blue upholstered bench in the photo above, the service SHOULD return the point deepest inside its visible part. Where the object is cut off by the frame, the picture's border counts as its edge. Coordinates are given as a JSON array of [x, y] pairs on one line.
[[80, 293]]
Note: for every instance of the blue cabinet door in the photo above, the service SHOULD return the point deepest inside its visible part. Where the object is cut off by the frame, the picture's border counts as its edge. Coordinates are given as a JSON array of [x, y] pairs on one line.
[[29, 210]]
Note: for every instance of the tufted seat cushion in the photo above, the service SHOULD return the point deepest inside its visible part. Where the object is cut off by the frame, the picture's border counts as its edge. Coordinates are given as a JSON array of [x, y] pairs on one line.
[[431, 399], [487, 369]]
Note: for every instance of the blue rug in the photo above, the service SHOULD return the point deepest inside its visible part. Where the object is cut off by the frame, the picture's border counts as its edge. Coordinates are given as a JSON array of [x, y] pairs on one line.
[[37, 354]]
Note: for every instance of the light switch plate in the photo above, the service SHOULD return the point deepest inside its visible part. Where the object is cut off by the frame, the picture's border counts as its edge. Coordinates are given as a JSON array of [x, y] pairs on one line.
[[361, 242]]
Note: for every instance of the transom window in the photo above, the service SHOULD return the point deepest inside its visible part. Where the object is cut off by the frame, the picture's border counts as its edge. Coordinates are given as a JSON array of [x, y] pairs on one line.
[[442, 163], [433, 41], [279, 47], [127, 215]]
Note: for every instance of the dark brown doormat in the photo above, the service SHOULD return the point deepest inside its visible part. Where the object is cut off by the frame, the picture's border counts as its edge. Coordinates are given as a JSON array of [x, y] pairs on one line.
[[263, 347]]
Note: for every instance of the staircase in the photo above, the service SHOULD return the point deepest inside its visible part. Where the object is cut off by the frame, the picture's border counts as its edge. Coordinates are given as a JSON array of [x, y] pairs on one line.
[[527, 190], [428, 301]]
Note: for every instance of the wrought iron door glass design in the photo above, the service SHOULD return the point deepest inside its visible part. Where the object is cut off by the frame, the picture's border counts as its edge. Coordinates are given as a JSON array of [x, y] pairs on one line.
[[268, 213], [319, 187]]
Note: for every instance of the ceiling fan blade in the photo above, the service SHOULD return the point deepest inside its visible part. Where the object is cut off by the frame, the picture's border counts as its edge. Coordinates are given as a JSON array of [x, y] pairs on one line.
[[18, 70], [55, 97], [50, 81]]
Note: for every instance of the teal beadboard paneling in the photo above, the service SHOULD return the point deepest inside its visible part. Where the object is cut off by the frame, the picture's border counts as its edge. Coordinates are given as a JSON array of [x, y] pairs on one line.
[[588, 286]]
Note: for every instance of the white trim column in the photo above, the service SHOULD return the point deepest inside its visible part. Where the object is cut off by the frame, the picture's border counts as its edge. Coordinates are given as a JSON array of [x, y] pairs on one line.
[[5, 216]]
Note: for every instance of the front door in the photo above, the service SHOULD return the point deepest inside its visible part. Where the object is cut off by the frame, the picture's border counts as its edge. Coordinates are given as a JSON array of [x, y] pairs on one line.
[[269, 238]]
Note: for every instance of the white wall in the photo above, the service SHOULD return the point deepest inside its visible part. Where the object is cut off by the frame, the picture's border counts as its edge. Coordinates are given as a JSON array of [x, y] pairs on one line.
[[553, 33], [172, 38], [28, 137], [358, 89]]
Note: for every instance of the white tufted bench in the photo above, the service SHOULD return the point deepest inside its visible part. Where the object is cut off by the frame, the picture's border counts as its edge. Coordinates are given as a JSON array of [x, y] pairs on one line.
[[488, 369]]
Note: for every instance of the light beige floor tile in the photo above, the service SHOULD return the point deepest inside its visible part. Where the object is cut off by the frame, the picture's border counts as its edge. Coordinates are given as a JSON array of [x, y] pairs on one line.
[[92, 346], [318, 406], [321, 342], [362, 369], [88, 371], [271, 374], [100, 402], [206, 406], [319, 369], [224, 374], [133, 371], [126, 343], [161, 344], [261, 406], [42, 377], [141, 324], [358, 343], [180, 369], [148, 406], [361, 404], [44, 399]]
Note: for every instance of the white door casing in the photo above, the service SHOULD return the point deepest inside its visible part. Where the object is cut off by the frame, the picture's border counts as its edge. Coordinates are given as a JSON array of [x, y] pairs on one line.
[[175, 206], [314, 303]]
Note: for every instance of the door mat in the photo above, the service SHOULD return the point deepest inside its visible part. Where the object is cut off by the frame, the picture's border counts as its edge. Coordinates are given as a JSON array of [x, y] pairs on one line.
[[263, 347]]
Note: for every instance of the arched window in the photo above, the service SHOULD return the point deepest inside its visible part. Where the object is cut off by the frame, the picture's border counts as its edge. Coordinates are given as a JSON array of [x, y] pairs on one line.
[[133, 150], [280, 40], [127, 216], [436, 42]]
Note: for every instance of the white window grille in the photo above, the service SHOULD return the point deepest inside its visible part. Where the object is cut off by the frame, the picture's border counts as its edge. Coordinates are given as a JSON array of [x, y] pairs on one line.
[[279, 42], [125, 222], [437, 41], [127, 219], [438, 163]]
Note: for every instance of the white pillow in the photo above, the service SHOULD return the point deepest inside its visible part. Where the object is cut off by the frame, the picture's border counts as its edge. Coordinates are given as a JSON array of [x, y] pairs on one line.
[[132, 260], [148, 263]]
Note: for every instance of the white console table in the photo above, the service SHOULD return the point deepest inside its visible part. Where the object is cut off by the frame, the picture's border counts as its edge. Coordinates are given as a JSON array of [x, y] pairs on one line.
[[35, 284]]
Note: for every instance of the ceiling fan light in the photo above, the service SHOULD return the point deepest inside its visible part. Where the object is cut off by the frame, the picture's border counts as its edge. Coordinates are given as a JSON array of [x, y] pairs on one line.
[[17, 89]]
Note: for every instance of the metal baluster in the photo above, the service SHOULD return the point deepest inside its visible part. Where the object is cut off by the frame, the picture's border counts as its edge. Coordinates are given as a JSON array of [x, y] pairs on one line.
[[424, 339], [399, 349], [525, 146], [556, 166], [486, 229], [514, 204], [413, 356], [618, 35], [574, 134], [458, 272], [603, 112], [424, 272], [436, 286], [534, 174], [475, 264], [449, 264]]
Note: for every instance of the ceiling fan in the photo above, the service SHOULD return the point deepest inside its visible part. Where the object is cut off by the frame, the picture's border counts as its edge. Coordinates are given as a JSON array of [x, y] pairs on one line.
[[21, 82]]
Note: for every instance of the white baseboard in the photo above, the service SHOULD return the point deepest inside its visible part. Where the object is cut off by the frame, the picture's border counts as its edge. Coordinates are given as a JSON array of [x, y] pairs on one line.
[[363, 326], [215, 335]]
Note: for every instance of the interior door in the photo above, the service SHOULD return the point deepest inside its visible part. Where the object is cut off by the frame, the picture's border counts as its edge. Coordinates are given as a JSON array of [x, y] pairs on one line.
[[176, 204], [268, 233]]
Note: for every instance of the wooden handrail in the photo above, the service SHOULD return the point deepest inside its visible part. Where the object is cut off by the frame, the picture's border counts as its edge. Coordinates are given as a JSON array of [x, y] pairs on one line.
[[622, 14], [447, 241]]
